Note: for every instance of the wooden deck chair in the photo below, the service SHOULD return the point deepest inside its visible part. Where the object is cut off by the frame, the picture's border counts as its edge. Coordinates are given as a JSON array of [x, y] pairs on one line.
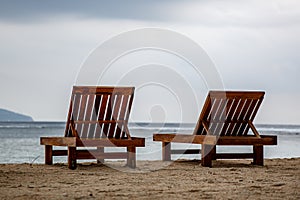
[[98, 117], [226, 118]]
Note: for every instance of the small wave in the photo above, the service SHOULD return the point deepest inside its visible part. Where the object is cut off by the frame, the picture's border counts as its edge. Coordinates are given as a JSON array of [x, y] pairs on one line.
[[30, 125], [21, 127], [160, 128], [289, 131]]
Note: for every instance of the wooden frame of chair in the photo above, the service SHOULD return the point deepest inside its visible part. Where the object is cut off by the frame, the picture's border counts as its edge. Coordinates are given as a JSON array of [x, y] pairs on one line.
[[226, 118], [97, 117]]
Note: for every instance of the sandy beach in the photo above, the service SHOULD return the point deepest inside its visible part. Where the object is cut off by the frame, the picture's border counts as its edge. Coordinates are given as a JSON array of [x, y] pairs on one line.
[[228, 179]]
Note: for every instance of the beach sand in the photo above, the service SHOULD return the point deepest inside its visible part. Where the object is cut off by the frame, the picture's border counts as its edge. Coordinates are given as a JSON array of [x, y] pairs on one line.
[[228, 179]]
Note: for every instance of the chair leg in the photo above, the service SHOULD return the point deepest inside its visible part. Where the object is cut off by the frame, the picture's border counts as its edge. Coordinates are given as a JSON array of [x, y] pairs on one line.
[[48, 155], [166, 151], [258, 155], [214, 153], [72, 158], [131, 157], [206, 155], [100, 150]]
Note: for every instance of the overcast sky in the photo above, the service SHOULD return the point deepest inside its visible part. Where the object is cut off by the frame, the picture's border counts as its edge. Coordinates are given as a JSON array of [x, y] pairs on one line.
[[255, 45]]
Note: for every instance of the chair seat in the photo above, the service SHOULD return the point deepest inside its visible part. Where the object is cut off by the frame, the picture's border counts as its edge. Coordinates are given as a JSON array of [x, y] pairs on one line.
[[214, 140], [92, 142], [182, 138], [248, 140]]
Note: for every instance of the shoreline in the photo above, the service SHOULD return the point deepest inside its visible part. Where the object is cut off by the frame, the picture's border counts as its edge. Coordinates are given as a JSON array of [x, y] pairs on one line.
[[227, 179]]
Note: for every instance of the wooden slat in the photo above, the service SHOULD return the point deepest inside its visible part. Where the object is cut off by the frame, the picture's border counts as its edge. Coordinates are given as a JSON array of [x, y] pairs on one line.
[[76, 103], [75, 114], [94, 154], [115, 115], [125, 133], [256, 109], [101, 115], [111, 142], [94, 116], [226, 122], [245, 117], [103, 106], [58, 141], [236, 117], [102, 90], [230, 115], [219, 118], [124, 107], [234, 121], [247, 140], [180, 138], [97, 107], [186, 151], [108, 113], [213, 115], [82, 108], [60, 152], [120, 127], [242, 117], [68, 131], [237, 94], [205, 113], [88, 116], [211, 124], [213, 109], [234, 155], [99, 122], [129, 106], [216, 109]]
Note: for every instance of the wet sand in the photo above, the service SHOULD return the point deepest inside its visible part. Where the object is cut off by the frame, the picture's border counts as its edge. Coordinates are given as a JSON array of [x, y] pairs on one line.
[[228, 179]]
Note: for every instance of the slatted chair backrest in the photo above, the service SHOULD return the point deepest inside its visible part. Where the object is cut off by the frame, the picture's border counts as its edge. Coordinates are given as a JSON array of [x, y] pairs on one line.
[[228, 113], [99, 112]]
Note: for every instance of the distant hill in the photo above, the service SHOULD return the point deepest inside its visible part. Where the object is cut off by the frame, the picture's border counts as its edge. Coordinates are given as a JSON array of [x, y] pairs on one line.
[[9, 116]]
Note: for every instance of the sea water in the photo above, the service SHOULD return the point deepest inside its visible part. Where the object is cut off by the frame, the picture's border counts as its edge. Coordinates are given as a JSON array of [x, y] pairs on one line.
[[20, 141]]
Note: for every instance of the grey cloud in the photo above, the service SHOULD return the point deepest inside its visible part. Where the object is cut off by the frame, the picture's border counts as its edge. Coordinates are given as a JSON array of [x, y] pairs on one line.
[[216, 13], [33, 10]]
